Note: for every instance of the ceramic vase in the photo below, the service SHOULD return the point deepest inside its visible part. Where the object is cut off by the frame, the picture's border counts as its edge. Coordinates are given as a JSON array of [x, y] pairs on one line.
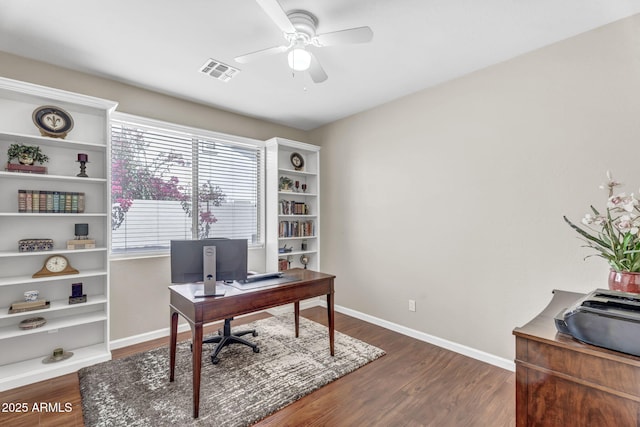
[[624, 281]]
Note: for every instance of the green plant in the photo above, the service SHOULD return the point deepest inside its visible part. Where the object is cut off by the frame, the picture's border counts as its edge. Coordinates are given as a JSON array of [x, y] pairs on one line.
[[17, 151], [614, 234], [285, 183]]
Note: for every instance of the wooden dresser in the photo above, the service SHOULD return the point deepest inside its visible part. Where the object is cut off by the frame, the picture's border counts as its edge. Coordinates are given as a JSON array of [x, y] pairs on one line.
[[563, 382]]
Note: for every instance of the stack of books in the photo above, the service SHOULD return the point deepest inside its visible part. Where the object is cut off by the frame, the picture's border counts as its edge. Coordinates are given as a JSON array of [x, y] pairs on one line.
[[50, 201], [22, 306], [17, 167]]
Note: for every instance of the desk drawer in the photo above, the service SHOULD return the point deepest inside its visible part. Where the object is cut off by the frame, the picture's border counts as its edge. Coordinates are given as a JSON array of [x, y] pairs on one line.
[[608, 374]]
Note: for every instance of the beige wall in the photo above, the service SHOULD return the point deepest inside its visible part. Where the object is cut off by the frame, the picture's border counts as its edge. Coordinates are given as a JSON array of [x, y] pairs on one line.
[[139, 296], [454, 196], [142, 102]]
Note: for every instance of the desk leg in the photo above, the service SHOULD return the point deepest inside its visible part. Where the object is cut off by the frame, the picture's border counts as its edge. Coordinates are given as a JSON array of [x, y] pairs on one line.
[[330, 314], [196, 341], [172, 344], [296, 315]]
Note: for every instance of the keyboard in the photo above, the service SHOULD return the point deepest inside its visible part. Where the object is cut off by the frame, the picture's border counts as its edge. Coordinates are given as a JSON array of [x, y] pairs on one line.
[[273, 279], [262, 276]]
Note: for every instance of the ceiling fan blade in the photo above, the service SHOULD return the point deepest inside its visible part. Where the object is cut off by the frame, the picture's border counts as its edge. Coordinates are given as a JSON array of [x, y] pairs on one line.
[[315, 70], [249, 57], [277, 15], [352, 35]]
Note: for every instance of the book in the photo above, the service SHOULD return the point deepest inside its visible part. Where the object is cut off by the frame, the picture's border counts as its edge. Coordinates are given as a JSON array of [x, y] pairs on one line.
[[20, 305], [74, 202], [49, 201], [81, 244], [80, 202], [13, 309], [29, 199], [43, 201], [22, 200], [61, 201], [67, 203], [16, 167], [35, 197], [56, 201]]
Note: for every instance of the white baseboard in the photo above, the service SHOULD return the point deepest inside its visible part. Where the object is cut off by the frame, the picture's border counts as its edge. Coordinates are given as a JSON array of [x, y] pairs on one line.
[[449, 345]]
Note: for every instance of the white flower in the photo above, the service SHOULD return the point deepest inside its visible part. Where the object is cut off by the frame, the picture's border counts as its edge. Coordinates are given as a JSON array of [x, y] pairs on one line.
[[626, 225], [611, 183], [622, 201], [598, 220]]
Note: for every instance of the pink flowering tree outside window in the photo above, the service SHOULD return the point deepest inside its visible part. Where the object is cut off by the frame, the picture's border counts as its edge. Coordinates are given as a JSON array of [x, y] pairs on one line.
[[137, 174], [209, 196]]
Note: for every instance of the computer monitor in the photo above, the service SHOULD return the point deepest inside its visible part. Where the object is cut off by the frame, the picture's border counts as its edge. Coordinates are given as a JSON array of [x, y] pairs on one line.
[[187, 263]]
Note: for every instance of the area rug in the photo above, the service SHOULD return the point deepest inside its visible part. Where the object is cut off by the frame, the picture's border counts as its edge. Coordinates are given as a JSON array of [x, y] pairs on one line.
[[241, 389]]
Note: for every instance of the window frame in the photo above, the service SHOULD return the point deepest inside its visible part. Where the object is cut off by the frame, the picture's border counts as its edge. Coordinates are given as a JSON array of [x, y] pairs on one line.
[[192, 132]]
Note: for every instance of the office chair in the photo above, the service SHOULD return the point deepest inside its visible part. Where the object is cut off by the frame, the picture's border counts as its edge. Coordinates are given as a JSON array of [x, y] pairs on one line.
[[226, 338]]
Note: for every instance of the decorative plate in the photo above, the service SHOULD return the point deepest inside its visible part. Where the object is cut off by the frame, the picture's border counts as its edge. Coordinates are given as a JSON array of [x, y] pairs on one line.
[[32, 322], [297, 161], [52, 121]]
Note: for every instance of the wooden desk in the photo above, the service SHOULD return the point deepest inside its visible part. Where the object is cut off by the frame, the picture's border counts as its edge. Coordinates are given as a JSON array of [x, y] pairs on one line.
[[199, 311], [563, 382]]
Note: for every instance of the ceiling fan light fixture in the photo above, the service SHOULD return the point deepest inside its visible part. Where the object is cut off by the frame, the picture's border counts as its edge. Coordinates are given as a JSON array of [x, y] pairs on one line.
[[299, 59]]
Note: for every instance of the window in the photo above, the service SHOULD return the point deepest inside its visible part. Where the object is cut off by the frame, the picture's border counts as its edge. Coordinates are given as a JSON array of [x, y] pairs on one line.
[[161, 174]]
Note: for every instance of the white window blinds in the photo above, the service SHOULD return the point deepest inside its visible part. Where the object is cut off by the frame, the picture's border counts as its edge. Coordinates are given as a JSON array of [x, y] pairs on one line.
[[161, 177]]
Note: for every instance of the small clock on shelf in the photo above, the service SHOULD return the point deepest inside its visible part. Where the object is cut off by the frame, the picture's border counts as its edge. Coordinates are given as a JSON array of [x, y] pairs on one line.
[[297, 161], [55, 265]]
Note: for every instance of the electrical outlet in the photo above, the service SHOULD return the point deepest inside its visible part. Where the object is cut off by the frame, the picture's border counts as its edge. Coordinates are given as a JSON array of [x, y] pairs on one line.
[[412, 305]]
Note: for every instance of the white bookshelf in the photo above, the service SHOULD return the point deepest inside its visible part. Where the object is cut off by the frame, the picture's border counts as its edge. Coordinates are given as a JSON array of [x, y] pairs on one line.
[[278, 160], [79, 328]]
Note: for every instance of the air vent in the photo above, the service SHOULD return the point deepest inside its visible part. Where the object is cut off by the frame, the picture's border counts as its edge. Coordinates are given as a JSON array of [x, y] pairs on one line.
[[218, 70]]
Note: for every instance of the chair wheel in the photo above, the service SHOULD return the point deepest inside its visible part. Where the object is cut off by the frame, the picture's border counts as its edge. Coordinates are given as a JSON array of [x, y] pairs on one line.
[[256, 350], [214, 360], [255, 333]]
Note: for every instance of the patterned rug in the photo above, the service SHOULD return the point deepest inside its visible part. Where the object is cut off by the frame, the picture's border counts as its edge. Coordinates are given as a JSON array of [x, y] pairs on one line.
[[241, 389]]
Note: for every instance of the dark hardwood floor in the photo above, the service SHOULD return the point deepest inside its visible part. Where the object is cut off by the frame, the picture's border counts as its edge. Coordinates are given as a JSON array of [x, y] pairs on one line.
[[414, 384]]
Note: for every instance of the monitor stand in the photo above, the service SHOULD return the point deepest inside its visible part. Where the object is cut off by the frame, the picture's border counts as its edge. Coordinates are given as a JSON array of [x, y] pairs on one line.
[[209, 274]]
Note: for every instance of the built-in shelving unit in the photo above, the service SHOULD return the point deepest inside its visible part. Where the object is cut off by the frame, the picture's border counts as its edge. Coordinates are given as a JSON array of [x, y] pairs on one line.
[[81, 328], [293, 212]]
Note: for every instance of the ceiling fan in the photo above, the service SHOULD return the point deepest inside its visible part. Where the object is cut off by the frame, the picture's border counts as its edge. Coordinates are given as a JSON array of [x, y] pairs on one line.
[[299, 28]]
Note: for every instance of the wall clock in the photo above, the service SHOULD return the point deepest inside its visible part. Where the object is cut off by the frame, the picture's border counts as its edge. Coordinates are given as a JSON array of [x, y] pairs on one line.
[[52, 121], [55, 265]]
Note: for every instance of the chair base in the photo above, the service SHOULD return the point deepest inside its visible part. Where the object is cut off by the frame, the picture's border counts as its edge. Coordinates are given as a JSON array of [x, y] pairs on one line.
[[227, 338]]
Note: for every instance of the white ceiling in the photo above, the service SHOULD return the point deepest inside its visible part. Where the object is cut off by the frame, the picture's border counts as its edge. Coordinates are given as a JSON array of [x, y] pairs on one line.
[[161, 44]]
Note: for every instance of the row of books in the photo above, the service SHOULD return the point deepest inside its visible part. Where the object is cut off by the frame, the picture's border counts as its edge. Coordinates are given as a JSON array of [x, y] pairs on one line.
[[291, 207], [50, 201], [296, 229]]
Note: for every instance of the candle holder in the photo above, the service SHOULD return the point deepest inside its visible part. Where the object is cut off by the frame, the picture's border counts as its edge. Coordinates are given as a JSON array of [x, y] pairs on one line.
[[83, 159]]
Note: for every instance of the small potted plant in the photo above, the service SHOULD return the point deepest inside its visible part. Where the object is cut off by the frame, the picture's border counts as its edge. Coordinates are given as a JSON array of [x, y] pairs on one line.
[[285, 183], [26, 154]]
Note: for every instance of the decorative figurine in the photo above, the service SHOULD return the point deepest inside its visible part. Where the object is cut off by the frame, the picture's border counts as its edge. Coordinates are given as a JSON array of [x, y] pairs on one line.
[[304, 260], [77, 297]]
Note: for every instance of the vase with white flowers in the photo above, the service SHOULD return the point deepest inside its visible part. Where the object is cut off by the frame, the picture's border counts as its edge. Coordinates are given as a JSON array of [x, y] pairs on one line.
[[614, 235]]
